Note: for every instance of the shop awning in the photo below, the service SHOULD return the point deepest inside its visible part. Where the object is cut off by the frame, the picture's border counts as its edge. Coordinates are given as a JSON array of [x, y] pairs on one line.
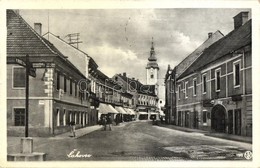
[[106, 108], [120, 110], [153, 113], [130, 111], [142, 113]]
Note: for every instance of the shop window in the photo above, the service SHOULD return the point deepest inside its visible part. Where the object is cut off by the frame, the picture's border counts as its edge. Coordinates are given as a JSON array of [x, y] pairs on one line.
[[19, 117], [19, 77], [238, 121]]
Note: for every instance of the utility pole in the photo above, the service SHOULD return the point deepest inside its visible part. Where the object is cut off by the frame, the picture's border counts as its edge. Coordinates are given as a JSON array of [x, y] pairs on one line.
[[27, 95]]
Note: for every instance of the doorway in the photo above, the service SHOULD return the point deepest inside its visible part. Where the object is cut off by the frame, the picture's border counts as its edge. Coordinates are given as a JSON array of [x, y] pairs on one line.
[[218, 123]]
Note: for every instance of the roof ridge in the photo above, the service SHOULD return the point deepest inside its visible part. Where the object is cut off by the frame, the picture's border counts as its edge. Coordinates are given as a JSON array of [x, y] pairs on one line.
[[199, 47], [67, 43], [34, 32]]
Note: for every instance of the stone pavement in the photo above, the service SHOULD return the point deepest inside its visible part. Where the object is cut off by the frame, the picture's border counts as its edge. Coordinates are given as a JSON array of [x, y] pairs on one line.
[[212, 134], [13, 143], [80, 132]]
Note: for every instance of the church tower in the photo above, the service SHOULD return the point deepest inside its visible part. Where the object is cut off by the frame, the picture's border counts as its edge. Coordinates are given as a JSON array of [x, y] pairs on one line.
[[152, 68]]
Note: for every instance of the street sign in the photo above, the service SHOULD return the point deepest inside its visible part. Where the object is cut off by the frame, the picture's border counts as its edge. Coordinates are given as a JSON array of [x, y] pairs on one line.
[[32, 71], [20, 62]]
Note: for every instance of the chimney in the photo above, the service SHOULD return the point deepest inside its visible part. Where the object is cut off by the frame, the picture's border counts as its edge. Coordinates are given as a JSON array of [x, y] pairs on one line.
[[38, 28], [240, 19], [210, 34], [124, 74]]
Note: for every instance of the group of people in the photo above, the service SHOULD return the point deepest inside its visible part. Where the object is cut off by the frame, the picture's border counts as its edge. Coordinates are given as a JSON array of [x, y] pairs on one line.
[[106, 121]]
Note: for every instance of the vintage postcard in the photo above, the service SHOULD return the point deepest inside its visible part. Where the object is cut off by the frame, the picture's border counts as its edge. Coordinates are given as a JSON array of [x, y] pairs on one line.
[[130, 83]]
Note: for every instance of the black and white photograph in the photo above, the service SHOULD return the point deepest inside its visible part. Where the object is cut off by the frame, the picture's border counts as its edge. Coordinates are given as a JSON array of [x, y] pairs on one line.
[[132, 84]]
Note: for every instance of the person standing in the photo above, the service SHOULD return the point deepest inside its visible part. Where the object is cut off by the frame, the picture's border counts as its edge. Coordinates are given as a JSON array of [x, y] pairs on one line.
[[109, 122], [104, 122], [73, 128]]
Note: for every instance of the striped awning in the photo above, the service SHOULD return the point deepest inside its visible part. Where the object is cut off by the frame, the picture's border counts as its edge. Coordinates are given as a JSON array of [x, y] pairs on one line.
[[121, 110], [106, 108]]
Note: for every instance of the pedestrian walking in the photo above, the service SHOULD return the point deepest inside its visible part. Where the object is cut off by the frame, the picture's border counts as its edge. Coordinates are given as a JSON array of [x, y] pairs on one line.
[[109, 122], [73, 128]]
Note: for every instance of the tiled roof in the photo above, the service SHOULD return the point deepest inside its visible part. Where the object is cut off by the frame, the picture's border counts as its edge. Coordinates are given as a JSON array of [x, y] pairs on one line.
[[236, 39], [183, 65], [22, 39], [138, 86]]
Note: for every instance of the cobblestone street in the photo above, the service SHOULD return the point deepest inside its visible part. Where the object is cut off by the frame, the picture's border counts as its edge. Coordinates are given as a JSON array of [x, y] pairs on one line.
[[141, 141]]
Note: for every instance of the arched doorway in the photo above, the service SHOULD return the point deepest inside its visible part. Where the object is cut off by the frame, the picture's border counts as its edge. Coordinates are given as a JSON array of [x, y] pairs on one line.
[[218, 122]]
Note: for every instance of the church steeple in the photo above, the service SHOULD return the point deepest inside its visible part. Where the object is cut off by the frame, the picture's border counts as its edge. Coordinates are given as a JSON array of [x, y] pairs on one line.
[[152, 67], [152, 60], [152, 53]]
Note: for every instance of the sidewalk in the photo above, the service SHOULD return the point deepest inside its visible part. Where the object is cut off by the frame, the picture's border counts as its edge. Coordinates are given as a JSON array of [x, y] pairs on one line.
[[79, 132], [13, 143], [212, 134]]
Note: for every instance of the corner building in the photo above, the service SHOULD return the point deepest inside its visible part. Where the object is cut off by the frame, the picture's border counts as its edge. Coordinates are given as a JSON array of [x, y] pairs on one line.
[[215, 92]]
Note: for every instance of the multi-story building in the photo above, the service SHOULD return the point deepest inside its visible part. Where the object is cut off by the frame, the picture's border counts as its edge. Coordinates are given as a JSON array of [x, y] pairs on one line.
[[55, 97], [144, 99], [172, 74], [215, 91]]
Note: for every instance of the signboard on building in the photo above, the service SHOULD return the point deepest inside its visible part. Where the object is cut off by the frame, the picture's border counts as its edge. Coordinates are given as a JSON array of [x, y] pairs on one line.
[[207, 103], [32, 71]]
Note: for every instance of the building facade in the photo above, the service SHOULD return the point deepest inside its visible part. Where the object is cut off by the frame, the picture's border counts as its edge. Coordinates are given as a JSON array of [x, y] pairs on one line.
[[55, 97], [215, 92]]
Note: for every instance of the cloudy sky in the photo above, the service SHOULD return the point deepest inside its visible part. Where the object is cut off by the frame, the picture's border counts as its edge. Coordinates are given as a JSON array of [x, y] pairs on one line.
[[119, 40]]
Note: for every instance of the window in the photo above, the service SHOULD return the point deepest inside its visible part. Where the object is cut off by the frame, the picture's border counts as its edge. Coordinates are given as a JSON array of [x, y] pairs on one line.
[[179, 92], [76, 89], [204, 83], [186, 90], [19, 77], [204, 117], [70, 87], [151, 76], [65, 84], [19, 117], [58, 81], [236, 72], [194, 87], [217, 80]]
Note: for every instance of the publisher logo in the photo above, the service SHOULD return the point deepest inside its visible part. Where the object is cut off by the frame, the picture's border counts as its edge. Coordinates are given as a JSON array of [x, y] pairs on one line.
[[248, 155]]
